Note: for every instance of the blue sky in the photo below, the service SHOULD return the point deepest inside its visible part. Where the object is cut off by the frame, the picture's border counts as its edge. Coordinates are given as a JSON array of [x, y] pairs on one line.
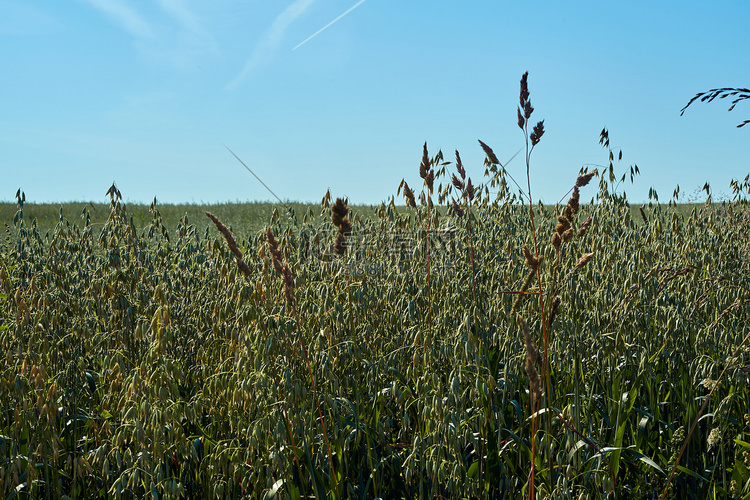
[[146, 92]]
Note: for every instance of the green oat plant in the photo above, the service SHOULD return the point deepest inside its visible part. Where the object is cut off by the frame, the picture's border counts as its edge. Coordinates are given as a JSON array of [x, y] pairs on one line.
[[156, 357]]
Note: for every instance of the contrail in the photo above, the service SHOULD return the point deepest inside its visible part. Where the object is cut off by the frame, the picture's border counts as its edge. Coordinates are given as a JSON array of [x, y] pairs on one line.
[[328, 25]]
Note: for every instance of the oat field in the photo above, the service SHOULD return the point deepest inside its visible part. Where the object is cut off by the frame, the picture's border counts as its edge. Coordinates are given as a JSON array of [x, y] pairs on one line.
[[455, 342]]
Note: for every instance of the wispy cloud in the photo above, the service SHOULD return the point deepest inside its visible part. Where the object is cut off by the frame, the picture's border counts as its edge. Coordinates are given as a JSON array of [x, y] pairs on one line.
[[190, 22], [321, 30], [270, 41], [125, 16]]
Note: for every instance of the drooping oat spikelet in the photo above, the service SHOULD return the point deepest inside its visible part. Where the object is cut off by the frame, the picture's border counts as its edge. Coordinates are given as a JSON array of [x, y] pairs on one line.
[[585, 258], [460, 166], [531, 261], [586, 178], [537, 133], [532, 356], [490, 154], [584, 227], [231, 243], [643, 215], [457, 209]]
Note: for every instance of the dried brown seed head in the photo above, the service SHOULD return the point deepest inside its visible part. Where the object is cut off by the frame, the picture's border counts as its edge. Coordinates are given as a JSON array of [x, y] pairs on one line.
[[339, 245], [584, 227], [531, 261], [556, 241], [567, 235], [231, 243], [338, 212], [244, 267], [521, 119], [573, 204], [585, 178], [564, 224]]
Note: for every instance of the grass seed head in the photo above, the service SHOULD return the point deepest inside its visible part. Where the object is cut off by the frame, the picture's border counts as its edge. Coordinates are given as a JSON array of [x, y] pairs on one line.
[[273, 247], [531, 261], [586, 178], [338, 212], [457, 183], [490, 154], [460, 166], [537, 133], [563, 224], [556, 241], [524, 88], [409, 195], [470, 189], [571, 209], [457, 209], [584, 227], [231, 243], [424, 167]]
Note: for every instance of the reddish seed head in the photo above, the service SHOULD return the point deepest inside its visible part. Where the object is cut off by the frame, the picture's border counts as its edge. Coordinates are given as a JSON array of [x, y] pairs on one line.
[[460, 166], [457, 183], [490, 154], [537, 134], [424, 166], [457, 209], [470, 190]]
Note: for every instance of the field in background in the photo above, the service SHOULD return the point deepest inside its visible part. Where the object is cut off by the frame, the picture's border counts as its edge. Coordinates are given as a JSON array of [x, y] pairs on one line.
[[244, 218]]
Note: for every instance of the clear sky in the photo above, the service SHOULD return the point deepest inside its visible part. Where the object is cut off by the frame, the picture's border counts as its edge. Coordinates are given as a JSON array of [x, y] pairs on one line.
[[146, 92]]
